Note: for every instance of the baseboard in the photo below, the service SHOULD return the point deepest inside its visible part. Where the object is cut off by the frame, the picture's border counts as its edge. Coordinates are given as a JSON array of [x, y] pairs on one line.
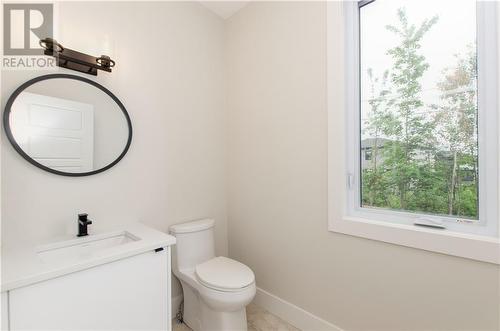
[[176, 301], [292, 314]]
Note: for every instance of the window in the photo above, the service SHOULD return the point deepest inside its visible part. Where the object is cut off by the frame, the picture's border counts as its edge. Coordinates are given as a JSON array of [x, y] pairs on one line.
[[368, 155], [421, 109]]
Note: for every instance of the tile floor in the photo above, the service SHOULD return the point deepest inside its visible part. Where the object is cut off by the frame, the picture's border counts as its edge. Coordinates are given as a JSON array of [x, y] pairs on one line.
[[258, 319]]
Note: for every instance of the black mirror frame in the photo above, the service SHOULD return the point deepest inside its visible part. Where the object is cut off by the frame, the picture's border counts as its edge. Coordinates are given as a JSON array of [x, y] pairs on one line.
[[18, 148]]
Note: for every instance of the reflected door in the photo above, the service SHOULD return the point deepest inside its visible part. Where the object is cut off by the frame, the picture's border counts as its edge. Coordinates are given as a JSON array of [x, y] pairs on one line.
[[57, 133]]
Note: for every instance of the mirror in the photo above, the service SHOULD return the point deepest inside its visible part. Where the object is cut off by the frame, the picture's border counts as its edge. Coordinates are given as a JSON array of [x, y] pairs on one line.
[[68, 125]]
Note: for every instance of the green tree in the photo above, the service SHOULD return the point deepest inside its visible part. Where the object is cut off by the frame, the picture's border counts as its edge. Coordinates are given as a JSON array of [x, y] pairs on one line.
[[423, 157], [375, 127], [456, 123], [412, 132]]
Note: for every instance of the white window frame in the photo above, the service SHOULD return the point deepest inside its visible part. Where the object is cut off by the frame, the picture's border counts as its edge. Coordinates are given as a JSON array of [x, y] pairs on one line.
[[478, 240]]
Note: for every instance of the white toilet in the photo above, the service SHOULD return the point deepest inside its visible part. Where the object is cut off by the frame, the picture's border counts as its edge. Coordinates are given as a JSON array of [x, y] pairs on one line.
[[216, 289]]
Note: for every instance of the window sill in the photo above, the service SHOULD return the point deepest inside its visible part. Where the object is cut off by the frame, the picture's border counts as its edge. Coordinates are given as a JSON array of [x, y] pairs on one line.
[[475, 247]]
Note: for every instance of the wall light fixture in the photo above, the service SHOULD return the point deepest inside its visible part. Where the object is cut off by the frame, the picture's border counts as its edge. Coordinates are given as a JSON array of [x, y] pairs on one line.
[[74, 60]]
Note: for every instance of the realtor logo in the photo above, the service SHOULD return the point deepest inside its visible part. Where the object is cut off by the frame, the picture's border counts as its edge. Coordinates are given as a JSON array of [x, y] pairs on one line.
[[24, 26]]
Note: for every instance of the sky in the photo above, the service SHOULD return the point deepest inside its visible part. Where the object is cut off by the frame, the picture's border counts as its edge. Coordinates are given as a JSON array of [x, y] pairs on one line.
[[455, 29]]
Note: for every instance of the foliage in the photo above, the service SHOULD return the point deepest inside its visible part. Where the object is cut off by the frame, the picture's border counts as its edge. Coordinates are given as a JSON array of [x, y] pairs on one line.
[[423, 157]]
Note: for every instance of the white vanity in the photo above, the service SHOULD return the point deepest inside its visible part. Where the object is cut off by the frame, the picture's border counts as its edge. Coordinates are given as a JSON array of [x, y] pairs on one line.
[[111, 281]]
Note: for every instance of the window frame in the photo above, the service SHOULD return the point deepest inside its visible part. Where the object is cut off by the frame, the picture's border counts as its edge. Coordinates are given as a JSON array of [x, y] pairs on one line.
[[397, 226]]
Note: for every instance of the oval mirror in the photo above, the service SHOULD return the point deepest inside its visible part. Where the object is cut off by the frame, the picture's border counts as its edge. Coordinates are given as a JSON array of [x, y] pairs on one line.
[[68, 125]]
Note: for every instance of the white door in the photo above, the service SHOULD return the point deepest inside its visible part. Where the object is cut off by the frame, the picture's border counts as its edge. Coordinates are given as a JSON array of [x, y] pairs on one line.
[[55, 132]]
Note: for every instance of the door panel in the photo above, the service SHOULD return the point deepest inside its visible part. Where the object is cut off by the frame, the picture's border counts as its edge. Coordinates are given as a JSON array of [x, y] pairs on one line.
[[55, 129]]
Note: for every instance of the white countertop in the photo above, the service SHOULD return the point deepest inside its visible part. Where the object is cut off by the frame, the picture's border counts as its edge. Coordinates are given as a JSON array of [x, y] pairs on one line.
[[22, 266]]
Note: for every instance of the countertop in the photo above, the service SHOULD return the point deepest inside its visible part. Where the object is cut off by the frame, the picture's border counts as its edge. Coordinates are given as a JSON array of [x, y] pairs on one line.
[[22, 266]]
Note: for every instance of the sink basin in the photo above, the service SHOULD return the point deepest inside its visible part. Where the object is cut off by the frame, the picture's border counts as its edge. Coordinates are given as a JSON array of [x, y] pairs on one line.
[[83, 248], [29, 262]]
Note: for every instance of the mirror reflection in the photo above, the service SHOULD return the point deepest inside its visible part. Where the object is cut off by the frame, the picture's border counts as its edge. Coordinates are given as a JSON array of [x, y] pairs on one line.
[[69, 125]]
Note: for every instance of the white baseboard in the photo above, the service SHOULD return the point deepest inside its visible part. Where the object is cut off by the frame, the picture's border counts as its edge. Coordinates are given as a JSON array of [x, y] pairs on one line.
[[176, 301], [292, 314]]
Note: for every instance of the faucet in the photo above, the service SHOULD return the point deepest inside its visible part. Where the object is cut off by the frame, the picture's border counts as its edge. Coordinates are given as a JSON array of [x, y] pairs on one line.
[[82, 225]]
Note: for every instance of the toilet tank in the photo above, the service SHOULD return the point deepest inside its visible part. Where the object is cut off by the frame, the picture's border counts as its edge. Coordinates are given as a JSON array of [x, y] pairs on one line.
[[195, 243]]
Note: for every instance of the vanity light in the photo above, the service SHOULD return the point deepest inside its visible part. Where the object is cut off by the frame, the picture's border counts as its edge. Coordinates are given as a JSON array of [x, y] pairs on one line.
[[105, 61], [74, 60], [51, 45]]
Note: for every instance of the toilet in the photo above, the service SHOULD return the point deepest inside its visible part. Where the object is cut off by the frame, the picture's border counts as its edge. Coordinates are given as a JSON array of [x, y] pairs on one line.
[[216, 289]]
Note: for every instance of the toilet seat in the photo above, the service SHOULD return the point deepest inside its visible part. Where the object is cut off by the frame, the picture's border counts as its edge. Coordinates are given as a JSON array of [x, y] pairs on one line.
[[224, 274]]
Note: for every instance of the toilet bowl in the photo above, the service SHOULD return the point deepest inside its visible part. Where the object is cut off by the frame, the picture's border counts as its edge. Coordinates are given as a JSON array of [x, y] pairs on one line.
[[216, 289]]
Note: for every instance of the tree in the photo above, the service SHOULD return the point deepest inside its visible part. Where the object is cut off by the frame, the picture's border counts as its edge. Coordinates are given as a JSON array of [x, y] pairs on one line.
[[423, 157], [456, 122], [412, 132], [375, 126]]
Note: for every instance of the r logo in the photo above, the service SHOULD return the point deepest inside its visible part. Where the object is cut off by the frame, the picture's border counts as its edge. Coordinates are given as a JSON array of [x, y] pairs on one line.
[[24, 26]]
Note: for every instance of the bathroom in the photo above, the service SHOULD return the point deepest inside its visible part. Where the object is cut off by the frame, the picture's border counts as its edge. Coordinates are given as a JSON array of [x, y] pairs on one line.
[[237, 119]]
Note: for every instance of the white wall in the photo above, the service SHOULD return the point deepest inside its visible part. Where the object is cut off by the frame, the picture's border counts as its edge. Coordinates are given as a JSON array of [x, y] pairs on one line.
[[277, 214], [169, 76]]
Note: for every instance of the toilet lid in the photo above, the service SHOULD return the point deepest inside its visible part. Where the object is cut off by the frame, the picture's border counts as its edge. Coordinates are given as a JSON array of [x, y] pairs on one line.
[[224, 273]]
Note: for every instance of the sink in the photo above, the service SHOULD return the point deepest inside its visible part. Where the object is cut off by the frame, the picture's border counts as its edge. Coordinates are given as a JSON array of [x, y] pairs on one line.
[[32, 262], [83, 248]]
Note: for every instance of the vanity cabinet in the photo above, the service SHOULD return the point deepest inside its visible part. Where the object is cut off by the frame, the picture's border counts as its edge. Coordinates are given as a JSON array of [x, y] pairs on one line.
[[131, 293]]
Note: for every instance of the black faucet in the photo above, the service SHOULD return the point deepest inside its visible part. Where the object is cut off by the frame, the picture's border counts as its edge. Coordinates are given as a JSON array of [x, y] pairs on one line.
[[82, 225]]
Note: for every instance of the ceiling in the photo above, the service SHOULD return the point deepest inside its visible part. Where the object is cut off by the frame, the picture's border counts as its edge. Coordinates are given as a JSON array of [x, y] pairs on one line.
[[224, 9]]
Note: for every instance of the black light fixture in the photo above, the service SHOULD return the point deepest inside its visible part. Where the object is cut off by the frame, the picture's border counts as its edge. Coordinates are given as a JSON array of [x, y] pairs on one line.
[[74, 60]]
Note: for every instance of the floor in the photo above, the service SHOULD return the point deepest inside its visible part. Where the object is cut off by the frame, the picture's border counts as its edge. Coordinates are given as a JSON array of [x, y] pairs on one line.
[[258, 319]]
